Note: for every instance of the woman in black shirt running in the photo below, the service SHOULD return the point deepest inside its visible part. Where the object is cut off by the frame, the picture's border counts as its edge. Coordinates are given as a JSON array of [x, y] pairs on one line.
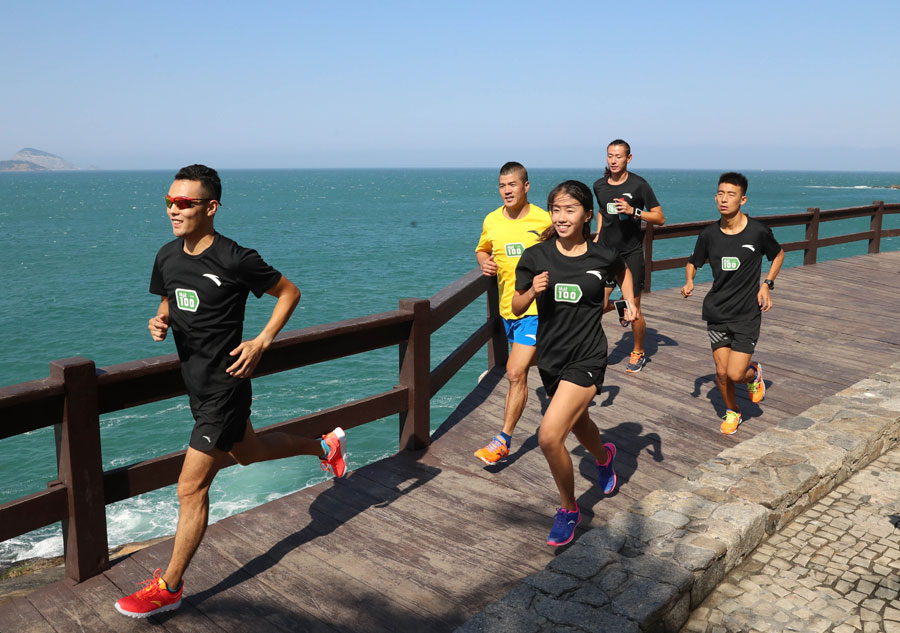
[[571, 279]]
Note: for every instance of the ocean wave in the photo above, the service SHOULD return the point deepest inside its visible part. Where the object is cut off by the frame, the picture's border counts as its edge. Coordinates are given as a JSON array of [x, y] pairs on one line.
[[23, 548], [843, 187]]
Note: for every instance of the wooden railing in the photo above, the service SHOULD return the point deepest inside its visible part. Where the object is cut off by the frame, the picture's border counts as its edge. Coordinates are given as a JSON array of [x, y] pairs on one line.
[[810, 244], [76, 393]]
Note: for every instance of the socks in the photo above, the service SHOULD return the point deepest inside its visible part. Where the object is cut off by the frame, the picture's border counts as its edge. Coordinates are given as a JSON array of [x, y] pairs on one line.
[[326, 449], [506, 438]]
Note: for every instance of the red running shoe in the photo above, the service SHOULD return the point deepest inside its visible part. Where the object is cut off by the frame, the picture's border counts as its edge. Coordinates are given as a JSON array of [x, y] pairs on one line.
[[334, 460], [154, 598]]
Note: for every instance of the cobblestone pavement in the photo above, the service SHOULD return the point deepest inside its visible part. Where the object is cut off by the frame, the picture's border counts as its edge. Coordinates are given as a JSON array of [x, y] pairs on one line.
[[835, 568]]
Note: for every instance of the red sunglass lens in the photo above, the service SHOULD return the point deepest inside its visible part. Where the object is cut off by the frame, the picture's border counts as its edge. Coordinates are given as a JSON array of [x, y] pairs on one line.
[[180, 203]]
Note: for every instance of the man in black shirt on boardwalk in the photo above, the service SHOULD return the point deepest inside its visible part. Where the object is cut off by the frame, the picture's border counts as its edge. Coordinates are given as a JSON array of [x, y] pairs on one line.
[[203, 279], [625, 200], [735, 246]]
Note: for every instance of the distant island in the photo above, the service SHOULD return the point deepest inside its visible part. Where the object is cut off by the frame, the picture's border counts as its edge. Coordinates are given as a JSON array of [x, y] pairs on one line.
[[30, 159]]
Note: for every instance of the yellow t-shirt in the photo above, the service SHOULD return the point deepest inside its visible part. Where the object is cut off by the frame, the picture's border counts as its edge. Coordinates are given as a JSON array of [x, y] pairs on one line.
[[507, 239]]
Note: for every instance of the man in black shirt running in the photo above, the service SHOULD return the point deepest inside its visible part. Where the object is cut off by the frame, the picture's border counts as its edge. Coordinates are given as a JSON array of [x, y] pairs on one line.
[[624, 200], [735, 246], [203, 280]]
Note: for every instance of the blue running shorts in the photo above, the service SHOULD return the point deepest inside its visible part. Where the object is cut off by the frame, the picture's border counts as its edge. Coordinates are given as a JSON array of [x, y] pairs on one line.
[[522, 331]]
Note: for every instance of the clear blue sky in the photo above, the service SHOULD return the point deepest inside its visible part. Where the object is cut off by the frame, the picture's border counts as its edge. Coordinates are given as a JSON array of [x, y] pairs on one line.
[[775, 85]]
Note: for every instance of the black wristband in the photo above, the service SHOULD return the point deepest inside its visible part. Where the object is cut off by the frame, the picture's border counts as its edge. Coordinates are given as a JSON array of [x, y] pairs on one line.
[[769, 283]]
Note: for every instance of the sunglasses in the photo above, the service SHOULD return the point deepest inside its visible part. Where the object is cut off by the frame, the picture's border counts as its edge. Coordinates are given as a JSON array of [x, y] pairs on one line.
[[184, 203]]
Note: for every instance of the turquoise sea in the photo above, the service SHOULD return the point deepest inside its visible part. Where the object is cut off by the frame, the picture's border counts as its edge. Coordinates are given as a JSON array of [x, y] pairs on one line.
[[76, 250]]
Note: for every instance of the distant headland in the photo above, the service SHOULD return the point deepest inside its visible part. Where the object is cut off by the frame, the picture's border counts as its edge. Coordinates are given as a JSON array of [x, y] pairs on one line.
[[30, 159]]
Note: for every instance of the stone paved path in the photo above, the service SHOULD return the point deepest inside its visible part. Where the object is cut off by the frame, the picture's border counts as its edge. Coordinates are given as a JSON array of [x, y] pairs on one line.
[[834, 569]]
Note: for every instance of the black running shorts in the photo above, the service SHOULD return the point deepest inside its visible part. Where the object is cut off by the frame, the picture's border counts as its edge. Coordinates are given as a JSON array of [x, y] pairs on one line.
[[635, 263], [221, 419], [740, 336], [582, 373]]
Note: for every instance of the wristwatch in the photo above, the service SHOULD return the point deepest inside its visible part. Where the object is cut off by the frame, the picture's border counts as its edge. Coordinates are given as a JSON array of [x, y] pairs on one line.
[[769, 283], [637, 214]]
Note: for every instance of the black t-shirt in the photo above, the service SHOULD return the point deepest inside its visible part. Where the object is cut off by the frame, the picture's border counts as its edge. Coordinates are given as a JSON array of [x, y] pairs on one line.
[[623, 232], [736, 262], [207, 294], [571, 308]]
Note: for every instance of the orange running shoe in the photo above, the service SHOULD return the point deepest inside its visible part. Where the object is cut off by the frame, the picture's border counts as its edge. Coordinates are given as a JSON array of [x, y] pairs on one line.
[[154, 598], [493, 452], [757, 388], [731, 422], [635, 362], [334, 460]]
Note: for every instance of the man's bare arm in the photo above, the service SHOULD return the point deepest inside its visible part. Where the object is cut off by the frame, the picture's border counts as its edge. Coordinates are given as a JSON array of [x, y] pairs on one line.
[[250, 352]]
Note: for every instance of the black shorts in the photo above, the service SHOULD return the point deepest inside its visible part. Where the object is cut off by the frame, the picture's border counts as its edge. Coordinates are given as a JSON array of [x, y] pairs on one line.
[[635, 263], [740, 336], [221, 418], [582, 373]]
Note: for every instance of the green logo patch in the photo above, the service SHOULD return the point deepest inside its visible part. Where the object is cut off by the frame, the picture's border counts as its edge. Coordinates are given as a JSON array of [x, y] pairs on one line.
[[515, 249], [570, 293], [187, 300], [730, 263]]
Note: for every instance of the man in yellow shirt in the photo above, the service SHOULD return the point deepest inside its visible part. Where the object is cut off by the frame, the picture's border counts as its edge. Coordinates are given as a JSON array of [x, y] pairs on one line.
[[506, 233]]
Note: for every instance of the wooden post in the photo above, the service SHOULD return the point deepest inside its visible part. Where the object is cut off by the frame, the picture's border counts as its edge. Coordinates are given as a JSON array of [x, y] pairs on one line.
[[875, 225], [80, 467], [415, 374], [648, 255], [498, 347], [812, 237]]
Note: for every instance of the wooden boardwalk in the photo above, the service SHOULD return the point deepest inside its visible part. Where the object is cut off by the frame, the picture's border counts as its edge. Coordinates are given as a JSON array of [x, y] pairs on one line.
[[420, 542]]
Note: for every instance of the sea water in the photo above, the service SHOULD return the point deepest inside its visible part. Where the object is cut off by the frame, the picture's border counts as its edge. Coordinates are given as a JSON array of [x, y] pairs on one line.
[[76, 249]]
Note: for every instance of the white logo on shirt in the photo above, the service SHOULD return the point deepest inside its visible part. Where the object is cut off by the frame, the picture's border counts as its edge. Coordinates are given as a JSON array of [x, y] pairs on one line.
[[213, 278], [627, 194], [596, 274], [750, 246]]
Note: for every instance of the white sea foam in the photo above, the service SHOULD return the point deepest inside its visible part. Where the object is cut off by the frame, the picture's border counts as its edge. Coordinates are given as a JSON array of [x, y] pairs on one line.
[[39, 544], [841, 187]]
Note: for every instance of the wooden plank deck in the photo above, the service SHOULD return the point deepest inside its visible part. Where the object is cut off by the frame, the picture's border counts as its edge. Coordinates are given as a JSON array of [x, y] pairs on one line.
[[420, 542]]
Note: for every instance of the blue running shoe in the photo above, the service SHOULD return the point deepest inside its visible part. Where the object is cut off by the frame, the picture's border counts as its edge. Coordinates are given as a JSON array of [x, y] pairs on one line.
[[606, 476], [564, 526]]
